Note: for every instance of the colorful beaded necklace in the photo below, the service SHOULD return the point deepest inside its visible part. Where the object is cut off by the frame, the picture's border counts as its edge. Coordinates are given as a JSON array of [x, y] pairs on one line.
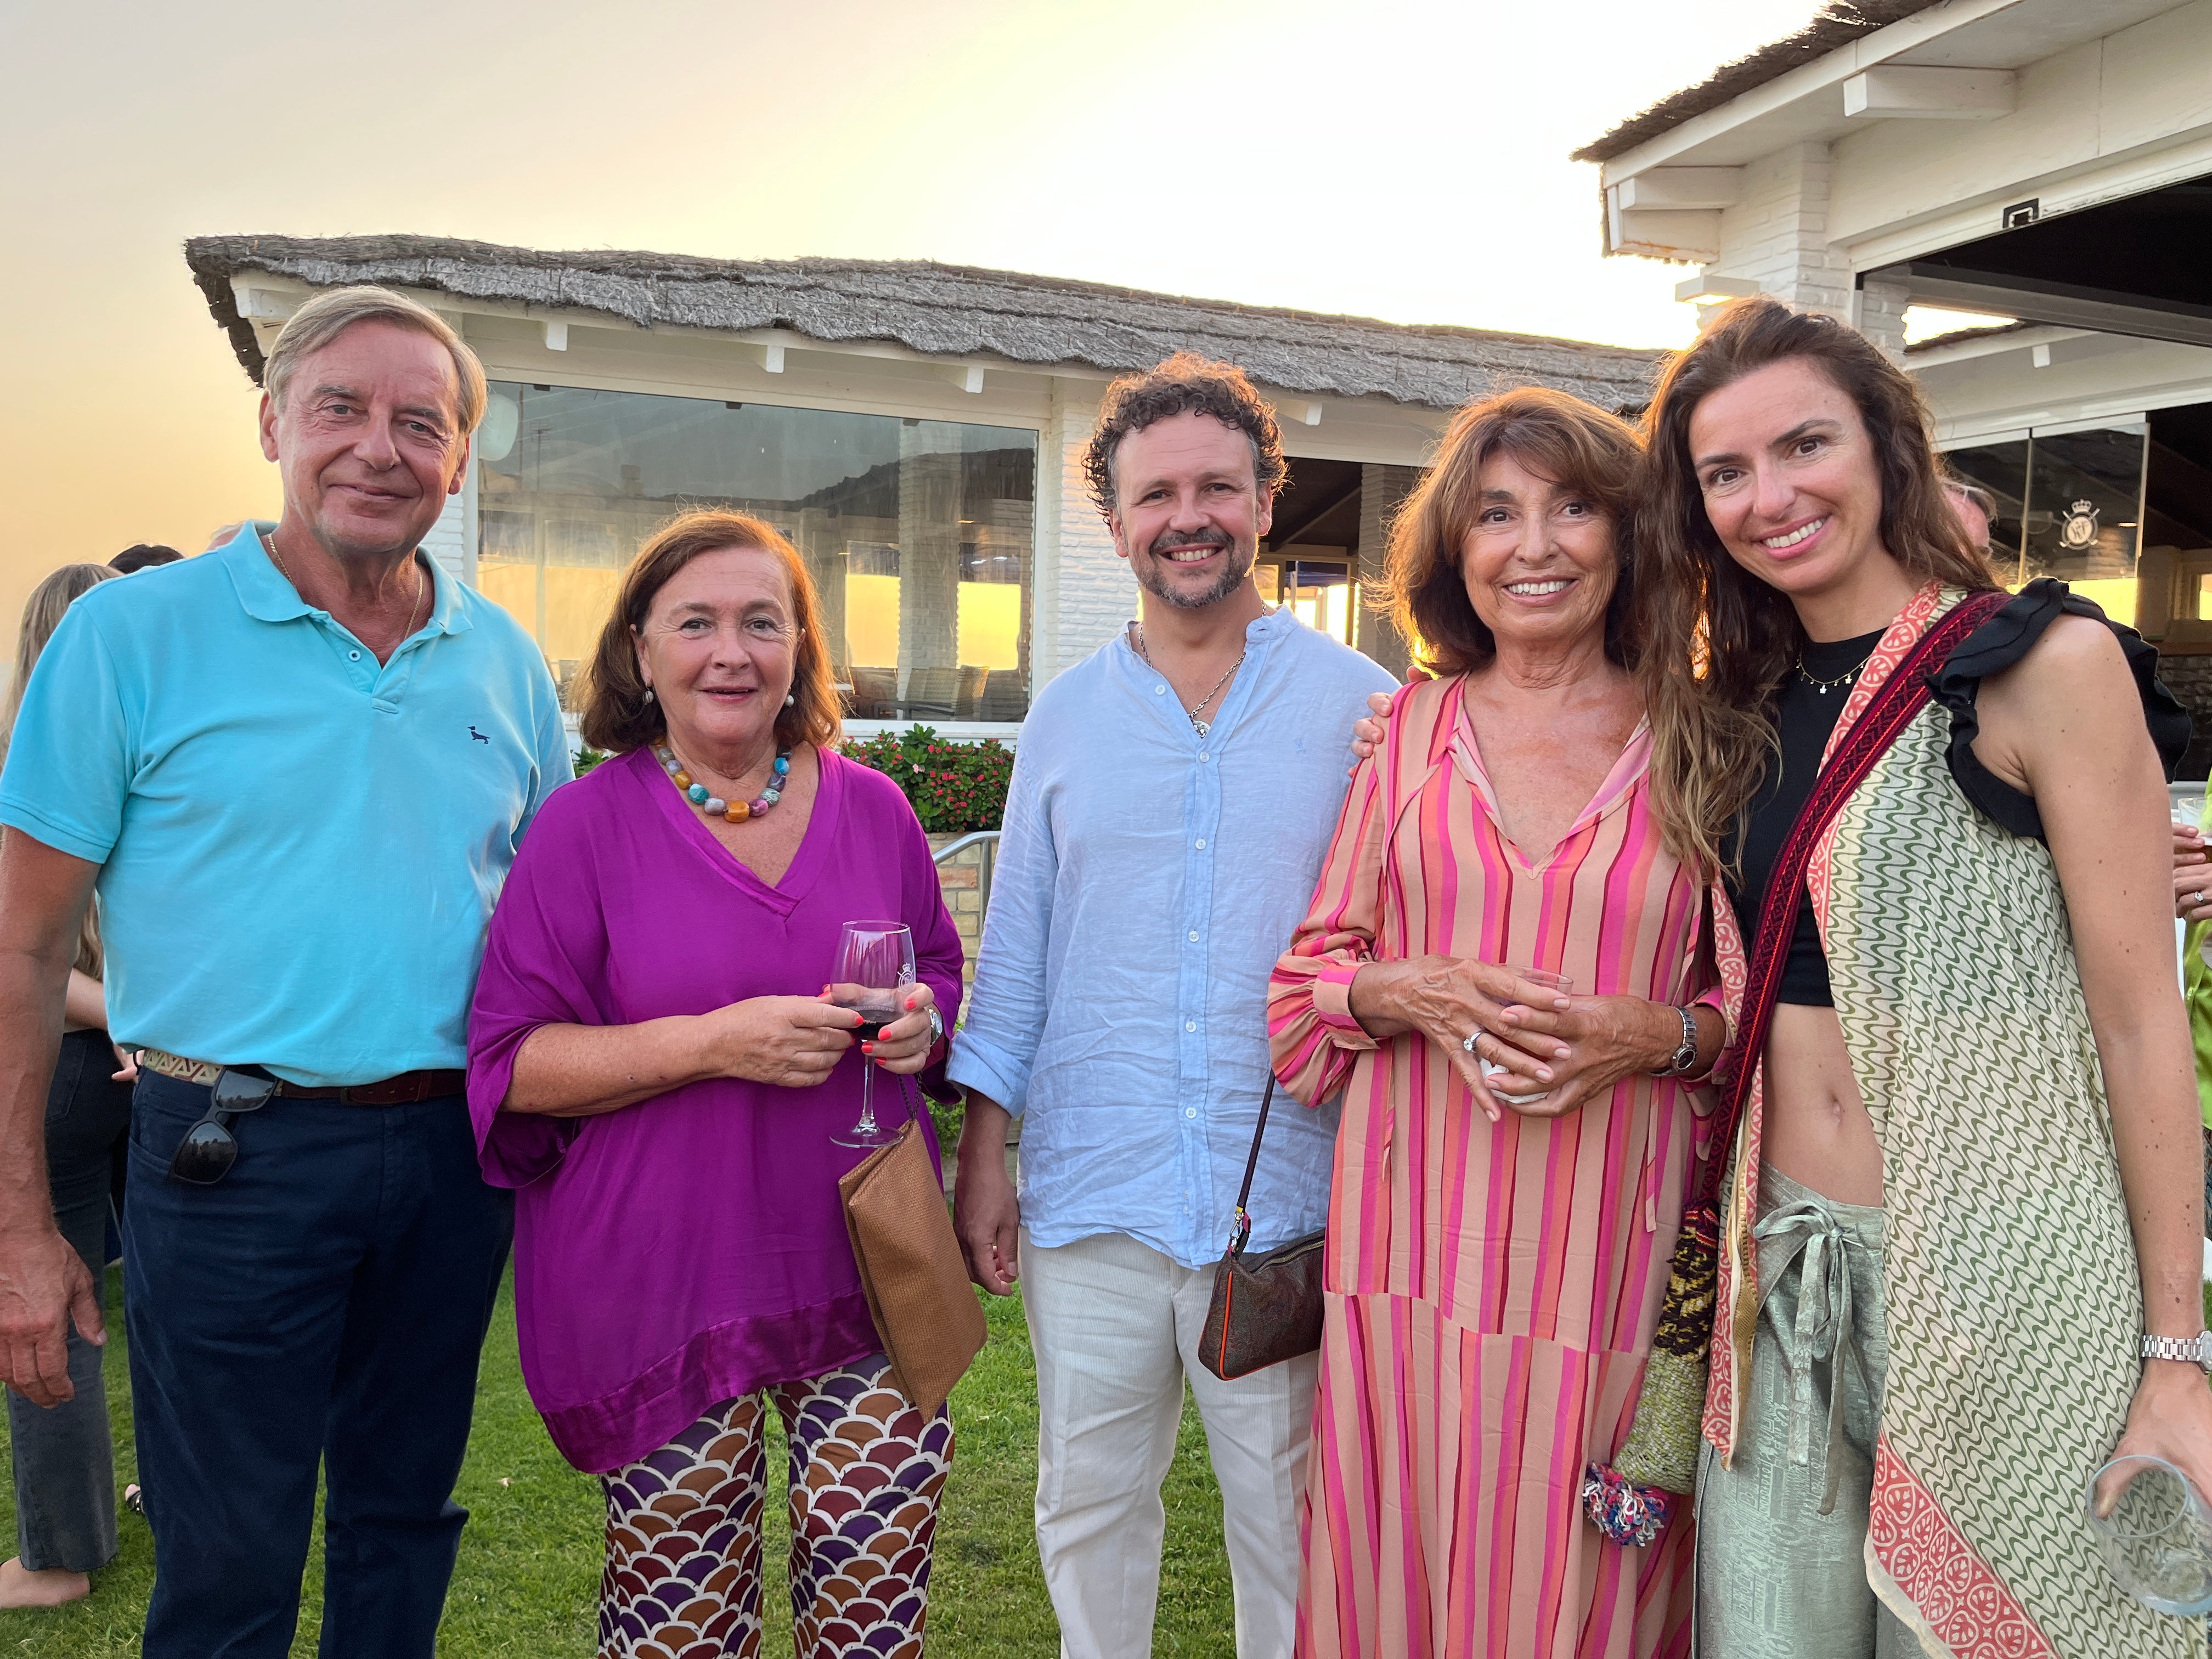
[[735, 811]]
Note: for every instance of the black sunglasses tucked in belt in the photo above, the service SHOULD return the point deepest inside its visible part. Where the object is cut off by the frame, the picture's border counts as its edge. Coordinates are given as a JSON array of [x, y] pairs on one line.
[[209, 1150]]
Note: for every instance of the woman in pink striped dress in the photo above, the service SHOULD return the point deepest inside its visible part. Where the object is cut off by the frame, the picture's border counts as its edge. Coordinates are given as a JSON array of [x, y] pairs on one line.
[[1496, 1260]]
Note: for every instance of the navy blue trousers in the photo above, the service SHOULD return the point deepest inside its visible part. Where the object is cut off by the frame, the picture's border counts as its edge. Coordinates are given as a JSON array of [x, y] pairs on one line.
[[325, 1302]]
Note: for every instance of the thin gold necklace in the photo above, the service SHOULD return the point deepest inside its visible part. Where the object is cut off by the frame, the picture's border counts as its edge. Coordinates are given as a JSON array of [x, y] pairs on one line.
[[269, 546], [1844, 678]]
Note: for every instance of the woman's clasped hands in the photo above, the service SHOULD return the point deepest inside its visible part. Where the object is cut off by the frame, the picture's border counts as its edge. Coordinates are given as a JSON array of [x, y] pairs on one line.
[[1599, 1042], [1552, 1052]]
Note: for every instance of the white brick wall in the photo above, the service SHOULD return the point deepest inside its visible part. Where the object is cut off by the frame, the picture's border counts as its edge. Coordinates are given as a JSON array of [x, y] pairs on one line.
[[1083, 591], [1881, 316], [448, 540], [1777, 236]]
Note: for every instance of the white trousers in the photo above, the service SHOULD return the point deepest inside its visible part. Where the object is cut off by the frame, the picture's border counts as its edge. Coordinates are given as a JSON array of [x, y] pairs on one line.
[[1116, 1327]]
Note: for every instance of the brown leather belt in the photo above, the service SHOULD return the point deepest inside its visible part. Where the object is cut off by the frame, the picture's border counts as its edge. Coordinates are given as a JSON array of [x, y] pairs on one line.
[[405, 1090]]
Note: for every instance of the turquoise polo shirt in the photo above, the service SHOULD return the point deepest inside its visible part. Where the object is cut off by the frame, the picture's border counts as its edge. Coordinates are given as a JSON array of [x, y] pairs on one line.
[[300, 847]]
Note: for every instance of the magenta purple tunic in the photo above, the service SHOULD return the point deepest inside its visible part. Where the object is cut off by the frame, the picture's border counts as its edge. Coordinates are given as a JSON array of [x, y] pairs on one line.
[[689, 1247]]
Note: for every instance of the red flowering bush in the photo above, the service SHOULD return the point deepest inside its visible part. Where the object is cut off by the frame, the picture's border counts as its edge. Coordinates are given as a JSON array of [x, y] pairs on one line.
[[954, 786]]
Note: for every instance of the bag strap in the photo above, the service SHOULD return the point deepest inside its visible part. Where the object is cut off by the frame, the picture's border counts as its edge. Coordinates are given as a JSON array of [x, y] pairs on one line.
[[1251, 1163], [1891, 709]]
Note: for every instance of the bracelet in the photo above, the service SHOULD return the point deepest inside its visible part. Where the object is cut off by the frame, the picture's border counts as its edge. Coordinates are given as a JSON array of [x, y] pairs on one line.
[[2191, 1351], [1684, 1058]]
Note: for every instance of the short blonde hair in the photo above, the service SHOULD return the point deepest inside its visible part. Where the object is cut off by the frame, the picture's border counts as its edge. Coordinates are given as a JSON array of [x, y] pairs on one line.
[[332, 312]]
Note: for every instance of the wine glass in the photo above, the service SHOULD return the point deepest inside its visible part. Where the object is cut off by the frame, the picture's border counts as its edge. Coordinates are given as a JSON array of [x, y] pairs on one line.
[[875, 961], [2158, 1540]]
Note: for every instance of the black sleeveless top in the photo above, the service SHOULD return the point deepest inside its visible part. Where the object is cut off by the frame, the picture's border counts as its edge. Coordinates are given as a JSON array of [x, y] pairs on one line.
[[1805, 716]]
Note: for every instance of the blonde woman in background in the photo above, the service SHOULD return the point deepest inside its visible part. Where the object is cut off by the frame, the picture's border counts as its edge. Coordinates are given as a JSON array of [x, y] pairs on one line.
[[64, 1456]]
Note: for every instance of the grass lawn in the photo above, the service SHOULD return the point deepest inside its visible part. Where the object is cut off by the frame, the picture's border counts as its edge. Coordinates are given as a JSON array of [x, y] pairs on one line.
[[529, 1558]]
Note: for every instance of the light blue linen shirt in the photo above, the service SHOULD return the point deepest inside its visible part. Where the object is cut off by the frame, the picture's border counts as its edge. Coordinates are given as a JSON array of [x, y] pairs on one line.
[[301, 847], [1146, 881]]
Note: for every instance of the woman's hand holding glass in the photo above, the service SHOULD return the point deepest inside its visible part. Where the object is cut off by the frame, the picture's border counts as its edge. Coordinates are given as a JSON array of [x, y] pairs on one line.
[[791, 1042], [2192, 873], [904, 1044]]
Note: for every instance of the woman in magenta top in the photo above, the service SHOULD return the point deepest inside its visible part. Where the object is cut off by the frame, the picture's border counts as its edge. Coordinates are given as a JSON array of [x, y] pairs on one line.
[[655, 1066]]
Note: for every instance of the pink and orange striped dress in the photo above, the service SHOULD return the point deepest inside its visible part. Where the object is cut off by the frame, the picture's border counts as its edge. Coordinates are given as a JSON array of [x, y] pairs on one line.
[[1491, 1288]]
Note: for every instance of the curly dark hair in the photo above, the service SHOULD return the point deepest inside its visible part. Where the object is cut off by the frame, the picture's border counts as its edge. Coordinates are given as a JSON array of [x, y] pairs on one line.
[[1184, 384]]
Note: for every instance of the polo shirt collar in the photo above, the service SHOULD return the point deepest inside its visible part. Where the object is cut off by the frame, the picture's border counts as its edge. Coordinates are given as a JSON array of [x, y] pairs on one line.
[[267, 597]]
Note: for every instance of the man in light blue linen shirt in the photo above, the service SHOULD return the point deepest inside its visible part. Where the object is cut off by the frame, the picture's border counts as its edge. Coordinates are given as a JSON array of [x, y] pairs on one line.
[[1172, 799], [297, 769]]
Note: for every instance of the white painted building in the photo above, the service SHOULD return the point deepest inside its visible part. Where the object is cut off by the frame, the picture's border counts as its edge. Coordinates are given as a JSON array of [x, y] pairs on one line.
[[916, 429], [2045, 160]]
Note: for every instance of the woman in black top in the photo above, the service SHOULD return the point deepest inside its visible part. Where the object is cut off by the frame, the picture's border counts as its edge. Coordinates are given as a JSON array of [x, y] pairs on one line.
[[1967, 1185]]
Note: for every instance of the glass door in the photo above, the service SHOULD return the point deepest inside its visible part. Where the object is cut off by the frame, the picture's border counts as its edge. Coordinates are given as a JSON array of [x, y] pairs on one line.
[[1319, 593]]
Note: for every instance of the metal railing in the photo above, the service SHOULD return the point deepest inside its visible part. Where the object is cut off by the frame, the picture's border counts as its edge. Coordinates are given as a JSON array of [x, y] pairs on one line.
[[988, 841]]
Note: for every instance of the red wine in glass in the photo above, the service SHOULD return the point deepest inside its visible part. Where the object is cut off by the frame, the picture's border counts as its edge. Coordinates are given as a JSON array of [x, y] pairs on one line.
[[874, 1013], [875, 964]]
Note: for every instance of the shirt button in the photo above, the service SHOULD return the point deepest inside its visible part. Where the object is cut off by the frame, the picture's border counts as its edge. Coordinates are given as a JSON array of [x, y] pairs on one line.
[[1159, 690], [1194, 936], [1203, 756], [1190, 1111], [1190, 1025], [1201, 843], [353, 656]]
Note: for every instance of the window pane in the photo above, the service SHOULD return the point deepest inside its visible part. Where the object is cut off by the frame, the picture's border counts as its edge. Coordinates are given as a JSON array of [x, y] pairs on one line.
[[2084, 500], [1318, 591], [919, 534], [2001, 469]]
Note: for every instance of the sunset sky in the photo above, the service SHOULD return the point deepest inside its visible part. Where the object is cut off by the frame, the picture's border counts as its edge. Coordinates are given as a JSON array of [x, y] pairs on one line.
[[1393, 158]]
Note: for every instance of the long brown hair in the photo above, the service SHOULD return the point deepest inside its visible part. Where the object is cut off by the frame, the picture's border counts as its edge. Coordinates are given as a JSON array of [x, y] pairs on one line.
[[1577, 445], [42, 613], [1717, 641], [616, 716]]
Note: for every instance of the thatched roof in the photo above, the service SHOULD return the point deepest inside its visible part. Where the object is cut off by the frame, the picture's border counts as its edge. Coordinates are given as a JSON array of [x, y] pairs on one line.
[[1960, 336], [1836, 24], [947, 309]]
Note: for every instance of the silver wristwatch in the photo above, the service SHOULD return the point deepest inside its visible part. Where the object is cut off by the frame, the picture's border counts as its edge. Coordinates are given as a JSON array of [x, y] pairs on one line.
[[1684, 1057], [2195, 1350]]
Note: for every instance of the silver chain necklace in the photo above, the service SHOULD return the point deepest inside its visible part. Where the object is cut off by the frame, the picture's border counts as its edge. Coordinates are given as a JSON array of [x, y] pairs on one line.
[[1192, 715]]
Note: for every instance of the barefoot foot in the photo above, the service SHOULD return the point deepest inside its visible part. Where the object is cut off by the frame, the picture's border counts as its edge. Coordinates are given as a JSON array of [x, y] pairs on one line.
[[22, 1588]]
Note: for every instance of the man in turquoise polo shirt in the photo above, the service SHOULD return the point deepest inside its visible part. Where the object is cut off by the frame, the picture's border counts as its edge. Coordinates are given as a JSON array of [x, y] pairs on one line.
[[296, 768]]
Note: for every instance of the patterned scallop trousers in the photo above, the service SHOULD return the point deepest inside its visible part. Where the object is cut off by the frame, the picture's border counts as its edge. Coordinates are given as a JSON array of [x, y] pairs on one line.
[[683, 1573]]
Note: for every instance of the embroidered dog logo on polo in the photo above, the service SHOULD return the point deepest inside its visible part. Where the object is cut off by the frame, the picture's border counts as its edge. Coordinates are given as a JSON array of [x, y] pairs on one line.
[[476, 736]]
